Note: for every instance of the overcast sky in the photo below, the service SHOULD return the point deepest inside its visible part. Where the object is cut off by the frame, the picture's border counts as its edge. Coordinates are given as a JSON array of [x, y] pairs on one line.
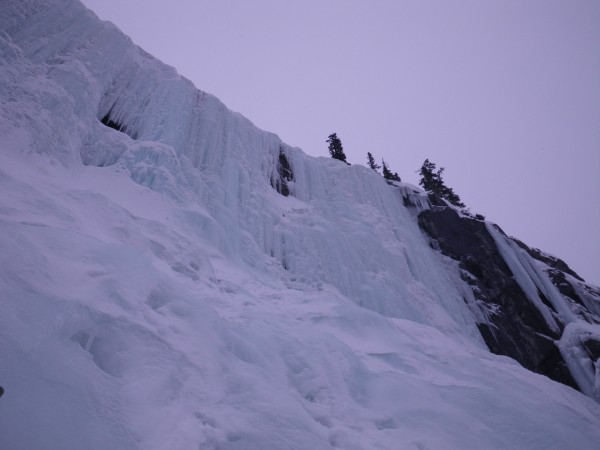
[[504, 94]]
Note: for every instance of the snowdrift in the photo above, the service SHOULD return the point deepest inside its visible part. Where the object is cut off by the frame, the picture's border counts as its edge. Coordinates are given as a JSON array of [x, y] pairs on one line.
[[158, 290]]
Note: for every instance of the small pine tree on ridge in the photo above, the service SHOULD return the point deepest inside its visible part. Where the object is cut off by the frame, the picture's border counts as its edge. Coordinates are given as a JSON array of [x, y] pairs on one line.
[[335, 147], [431, 180], [371, 162], [388, 174]]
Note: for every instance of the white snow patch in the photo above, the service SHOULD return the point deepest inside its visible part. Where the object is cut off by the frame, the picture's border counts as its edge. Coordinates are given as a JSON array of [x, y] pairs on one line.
[[158, 293]]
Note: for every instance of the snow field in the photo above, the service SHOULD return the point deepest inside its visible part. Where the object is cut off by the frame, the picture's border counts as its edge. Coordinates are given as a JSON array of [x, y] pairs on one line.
[[157, 292]]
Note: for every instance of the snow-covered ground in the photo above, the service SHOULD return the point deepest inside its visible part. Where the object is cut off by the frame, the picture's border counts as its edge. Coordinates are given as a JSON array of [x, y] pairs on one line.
[[157, 292]]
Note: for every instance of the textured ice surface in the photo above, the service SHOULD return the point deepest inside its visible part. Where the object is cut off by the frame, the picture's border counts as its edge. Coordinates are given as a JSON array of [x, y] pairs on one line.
[[157, 292]]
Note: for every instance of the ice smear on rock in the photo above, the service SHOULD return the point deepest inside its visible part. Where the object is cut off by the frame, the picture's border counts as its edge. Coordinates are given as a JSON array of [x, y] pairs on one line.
[[158, 293]]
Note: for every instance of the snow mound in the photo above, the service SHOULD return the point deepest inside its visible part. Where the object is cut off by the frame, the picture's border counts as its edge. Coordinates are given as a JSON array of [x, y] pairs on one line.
[[158, 292]]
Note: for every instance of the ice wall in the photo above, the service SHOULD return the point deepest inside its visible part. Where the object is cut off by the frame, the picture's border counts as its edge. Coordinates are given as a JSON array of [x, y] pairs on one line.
[[342, 225]]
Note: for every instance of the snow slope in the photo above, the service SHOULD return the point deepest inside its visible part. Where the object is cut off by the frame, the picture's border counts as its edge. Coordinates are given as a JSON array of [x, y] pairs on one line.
[[157, 292]]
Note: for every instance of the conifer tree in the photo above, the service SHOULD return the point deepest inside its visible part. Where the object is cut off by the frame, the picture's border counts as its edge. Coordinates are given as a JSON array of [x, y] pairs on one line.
[[335, 147], [371, 162], [386, 170], [387, 173], [429, 178], [432, 180]]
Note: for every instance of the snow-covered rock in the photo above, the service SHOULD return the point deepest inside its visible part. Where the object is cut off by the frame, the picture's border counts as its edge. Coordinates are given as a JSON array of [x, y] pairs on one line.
[[523, 299], [159, 289]]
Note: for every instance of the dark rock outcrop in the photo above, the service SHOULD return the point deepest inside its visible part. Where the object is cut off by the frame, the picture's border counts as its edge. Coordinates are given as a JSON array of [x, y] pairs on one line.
[[584, 298], [514, 326], [592, 347], [284, 174], [549, 260], [107, 121]]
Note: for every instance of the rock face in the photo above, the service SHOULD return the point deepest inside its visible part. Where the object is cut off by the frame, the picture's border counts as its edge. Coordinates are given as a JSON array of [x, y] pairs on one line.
[[585, 298], [283, 175], [515, 324]]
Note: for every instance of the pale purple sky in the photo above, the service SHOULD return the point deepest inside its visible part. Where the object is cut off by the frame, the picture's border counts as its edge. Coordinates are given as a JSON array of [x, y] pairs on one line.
[[504, 94]]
